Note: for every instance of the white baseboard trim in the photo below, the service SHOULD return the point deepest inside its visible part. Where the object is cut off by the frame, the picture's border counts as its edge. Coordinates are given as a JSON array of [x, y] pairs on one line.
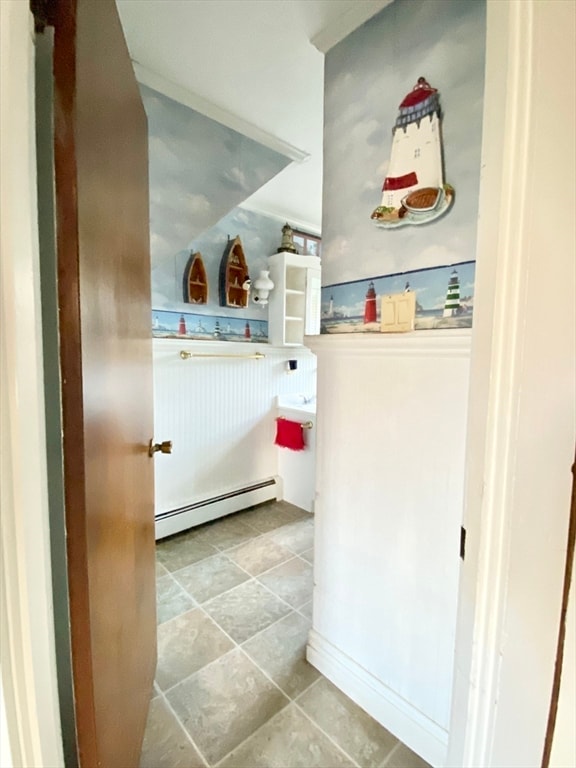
[[203, 510], [412, 727]]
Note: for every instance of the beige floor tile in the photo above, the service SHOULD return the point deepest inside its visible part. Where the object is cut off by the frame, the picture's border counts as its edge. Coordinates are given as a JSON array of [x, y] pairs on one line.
[[267, 517], [245, 610], [224, 693], [224, 703], [358, 734], [166, 744], [160, 570], [182, 550], [292, 581], [185, 645], [259, 555], [210, 577], [289, 740], [402, 757], [226, 532], [308, 555], [171, 599], [280, 651], [297, 537]]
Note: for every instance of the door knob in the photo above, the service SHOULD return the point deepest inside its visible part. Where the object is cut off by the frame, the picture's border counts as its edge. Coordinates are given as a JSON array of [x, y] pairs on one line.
[[163, 447]]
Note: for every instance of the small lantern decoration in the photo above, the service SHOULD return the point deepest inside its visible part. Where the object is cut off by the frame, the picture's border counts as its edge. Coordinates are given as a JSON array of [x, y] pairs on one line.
[[287, 243]]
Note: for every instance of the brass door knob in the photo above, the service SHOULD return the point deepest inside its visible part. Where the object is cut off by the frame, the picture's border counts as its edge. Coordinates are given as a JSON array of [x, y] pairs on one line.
[[164, 447]]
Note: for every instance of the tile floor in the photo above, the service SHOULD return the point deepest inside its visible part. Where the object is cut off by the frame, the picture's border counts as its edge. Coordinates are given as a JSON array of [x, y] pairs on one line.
[[233, 688]]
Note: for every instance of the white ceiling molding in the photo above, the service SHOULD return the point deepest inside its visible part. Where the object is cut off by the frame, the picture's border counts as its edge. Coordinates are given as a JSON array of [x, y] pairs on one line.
[[295, 223], [347, 22], [214, 112]]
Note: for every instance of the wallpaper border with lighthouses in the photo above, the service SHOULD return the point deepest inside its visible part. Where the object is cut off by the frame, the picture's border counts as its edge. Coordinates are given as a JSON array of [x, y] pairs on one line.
[[167, 324], [444, 299]]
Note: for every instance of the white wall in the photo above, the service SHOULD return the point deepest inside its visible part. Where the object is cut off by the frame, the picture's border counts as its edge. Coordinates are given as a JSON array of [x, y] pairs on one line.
[[390, 472], [27, 656]]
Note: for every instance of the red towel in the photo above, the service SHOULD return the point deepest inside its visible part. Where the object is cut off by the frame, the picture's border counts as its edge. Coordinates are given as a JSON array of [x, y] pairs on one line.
[[289, 434]]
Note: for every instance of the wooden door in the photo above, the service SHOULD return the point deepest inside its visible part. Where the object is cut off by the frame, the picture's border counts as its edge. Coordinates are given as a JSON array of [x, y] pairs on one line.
[[102, 234]]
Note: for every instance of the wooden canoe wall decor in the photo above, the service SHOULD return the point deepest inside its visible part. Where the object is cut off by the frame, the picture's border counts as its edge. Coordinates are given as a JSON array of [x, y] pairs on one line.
[[233, 275], [195, 283]]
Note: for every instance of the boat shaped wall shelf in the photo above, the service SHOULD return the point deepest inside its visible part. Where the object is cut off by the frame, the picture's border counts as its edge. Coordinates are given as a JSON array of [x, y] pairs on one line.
[[234, 279], [195, 283]]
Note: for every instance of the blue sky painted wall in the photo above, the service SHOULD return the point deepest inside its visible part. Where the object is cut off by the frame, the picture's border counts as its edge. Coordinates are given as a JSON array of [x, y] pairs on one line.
[[260, 235], [367, 76], [199, 171]]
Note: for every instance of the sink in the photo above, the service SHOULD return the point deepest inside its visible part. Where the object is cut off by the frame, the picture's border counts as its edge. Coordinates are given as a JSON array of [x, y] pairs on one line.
[[302, 403], [298, 468]]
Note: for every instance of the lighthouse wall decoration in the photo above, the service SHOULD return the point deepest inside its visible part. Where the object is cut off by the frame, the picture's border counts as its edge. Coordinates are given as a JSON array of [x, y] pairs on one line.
[[403, 116], [414, 191]]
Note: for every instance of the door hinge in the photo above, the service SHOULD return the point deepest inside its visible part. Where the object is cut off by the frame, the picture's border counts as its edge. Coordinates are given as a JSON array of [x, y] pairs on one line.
[[462, 542], [43, 11]]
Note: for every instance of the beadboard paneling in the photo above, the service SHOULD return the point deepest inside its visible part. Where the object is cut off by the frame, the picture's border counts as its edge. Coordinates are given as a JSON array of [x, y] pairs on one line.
[[390, 471], [219, 413]]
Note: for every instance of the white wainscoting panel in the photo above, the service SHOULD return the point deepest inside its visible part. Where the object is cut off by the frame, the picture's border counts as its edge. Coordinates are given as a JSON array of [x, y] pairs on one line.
[[391, 425], [220, 415]]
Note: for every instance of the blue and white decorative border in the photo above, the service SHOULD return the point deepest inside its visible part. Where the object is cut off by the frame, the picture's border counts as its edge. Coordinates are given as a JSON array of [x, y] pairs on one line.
[[186, 325], [343, 303]]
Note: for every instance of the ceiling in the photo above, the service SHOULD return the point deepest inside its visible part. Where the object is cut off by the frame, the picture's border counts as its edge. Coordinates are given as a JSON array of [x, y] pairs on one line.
[[257, 66]]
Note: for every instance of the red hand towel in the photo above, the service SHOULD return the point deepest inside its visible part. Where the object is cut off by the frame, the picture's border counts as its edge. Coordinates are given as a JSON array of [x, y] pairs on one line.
[[289, 434]]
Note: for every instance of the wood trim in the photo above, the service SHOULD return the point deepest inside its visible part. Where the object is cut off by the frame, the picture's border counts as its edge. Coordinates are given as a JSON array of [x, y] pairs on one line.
[[71, 370], [570, 547]]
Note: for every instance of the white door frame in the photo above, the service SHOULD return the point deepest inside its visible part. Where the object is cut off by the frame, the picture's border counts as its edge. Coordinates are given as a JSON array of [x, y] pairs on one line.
[[520, 444], [27, 648], [496, 464]]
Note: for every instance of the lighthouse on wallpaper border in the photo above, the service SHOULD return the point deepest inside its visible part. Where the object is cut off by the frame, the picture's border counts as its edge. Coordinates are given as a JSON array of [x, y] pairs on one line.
[[414, 191], [452, 303], [370, 305]]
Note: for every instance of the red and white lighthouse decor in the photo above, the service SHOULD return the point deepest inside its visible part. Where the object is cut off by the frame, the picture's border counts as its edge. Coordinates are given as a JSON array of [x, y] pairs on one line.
[[370, 305], [414, 190]]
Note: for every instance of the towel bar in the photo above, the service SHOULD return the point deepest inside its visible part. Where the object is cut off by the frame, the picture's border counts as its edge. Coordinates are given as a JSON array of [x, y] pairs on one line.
[[187, 355], [304, 424]]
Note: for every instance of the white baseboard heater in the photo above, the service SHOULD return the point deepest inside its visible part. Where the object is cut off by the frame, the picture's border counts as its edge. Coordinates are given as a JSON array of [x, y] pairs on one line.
[[202, 511]]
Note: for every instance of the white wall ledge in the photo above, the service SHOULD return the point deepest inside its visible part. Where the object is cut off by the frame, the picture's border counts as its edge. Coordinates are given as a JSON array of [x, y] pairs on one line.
[[441, 343]]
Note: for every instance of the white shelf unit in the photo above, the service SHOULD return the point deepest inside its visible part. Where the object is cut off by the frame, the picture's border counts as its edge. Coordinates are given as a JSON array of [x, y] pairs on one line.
[[294, 305]]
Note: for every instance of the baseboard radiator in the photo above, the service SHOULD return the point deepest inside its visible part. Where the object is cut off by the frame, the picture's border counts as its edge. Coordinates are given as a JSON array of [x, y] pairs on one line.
[[202, 511]]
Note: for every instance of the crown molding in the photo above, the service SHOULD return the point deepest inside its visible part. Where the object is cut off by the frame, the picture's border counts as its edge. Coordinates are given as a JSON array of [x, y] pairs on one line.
[[298, 224], [347, 22], [214, 112]]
